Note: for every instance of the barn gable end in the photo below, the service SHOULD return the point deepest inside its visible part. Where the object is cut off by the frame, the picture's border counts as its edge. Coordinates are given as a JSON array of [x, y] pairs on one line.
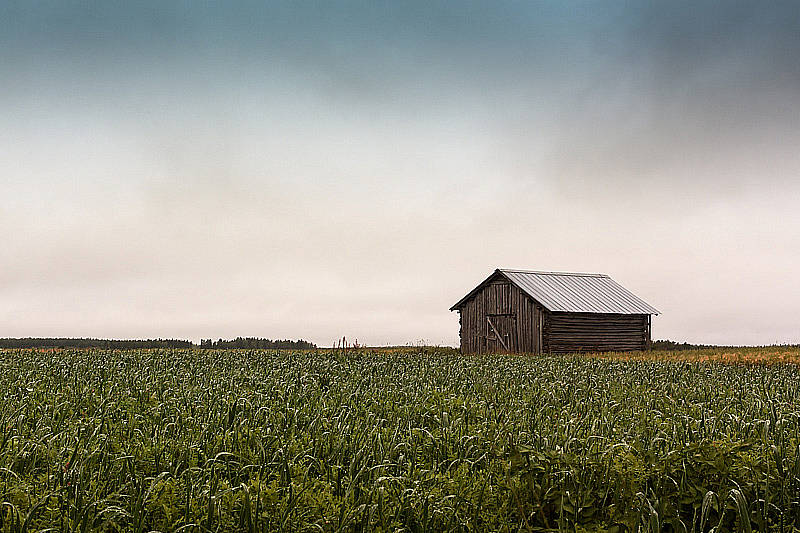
[[552, 312]]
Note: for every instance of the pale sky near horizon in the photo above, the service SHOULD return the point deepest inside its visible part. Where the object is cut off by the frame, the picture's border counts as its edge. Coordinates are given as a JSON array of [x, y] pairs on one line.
[[318, 169]]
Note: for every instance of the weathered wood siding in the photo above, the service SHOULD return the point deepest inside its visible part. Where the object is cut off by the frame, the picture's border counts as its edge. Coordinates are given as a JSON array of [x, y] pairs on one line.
[[500, 317], [594, 332]]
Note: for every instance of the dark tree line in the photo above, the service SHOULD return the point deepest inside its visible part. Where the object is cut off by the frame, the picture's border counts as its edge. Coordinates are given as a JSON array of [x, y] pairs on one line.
[[672, 346], [251, 343], [669, 346], [94, 343]]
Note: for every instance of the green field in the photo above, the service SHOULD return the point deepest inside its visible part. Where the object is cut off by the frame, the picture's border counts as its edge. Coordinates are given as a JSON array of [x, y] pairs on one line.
[[404, 440]]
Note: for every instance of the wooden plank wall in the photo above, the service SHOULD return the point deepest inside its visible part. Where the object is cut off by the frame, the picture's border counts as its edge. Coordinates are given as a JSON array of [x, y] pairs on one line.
[[590, 332], [501, 299], [532, 329], [529, 318]]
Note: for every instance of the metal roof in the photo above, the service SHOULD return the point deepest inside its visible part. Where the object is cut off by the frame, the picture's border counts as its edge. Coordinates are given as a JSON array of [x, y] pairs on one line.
[[574, 293]]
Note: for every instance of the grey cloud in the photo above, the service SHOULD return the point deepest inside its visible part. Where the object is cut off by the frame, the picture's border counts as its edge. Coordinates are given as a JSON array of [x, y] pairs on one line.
[[752, 43], [325, 167], [689, 97]]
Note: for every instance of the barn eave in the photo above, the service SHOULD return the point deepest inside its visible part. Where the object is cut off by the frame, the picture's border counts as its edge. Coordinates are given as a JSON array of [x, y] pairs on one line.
[[568, 292]]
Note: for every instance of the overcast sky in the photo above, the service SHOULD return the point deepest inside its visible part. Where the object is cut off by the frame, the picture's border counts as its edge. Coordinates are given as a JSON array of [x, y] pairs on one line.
[[318, 169]]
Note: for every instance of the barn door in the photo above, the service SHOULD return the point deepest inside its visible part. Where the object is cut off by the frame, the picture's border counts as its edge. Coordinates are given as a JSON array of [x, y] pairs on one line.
[[501, 333]]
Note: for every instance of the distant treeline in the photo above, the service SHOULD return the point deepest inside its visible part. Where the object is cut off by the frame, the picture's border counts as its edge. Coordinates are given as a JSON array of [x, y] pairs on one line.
[[669, 346], [251, 343], [94, 343]]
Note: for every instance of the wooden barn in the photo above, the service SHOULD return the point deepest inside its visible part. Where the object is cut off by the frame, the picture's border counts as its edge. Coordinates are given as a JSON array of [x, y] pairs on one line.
[[552, 312]]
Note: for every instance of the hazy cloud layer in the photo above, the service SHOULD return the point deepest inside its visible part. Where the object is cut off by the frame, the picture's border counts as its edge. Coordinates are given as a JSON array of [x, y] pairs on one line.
[[317, 169]]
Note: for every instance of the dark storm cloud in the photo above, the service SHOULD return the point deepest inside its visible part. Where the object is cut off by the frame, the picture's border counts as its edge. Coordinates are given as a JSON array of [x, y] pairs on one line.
[[750, 44], [688, 92], [566, 56], [310, 31], [680, 39]]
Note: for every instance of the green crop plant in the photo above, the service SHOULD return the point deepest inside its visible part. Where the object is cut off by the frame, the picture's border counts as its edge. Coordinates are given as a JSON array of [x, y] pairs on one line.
[[415, 440]]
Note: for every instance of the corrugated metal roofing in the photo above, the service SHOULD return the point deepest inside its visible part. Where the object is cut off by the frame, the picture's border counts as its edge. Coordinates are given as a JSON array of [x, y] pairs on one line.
[[577, 293]]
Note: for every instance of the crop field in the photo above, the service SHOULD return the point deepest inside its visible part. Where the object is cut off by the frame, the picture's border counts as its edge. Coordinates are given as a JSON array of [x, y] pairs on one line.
[[398, 440]]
